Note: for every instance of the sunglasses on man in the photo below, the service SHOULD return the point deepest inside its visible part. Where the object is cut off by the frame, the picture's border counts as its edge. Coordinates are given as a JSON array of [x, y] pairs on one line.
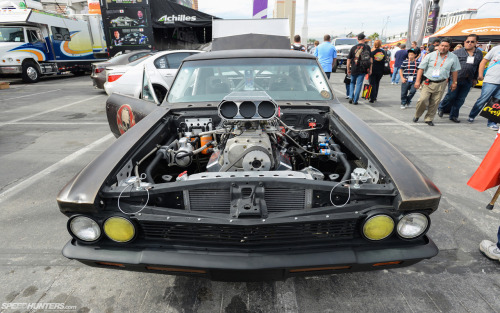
[[470, 41]]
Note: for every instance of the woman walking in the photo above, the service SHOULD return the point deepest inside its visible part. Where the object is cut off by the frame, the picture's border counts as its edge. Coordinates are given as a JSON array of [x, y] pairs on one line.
[[378, 56]]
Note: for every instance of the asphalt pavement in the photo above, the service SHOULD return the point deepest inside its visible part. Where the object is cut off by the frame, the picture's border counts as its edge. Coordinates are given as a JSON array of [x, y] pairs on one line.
[[50, 130]]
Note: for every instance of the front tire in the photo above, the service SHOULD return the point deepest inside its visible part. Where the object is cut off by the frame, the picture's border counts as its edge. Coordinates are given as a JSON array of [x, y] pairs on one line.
[[30, 73]]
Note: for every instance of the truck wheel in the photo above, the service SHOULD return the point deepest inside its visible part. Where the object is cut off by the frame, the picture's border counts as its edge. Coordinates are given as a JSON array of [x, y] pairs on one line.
[[30, 74], [334, 69]]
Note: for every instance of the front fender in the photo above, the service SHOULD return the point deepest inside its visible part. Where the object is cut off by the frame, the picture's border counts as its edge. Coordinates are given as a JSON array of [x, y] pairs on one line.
[[18, 55]]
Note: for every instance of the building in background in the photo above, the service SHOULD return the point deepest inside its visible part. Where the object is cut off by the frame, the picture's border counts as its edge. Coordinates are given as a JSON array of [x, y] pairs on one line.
[[195, 4], [455, 17], [286, 9]]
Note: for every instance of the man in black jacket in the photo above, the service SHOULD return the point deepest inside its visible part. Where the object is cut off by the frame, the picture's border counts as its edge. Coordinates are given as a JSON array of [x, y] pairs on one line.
[[469, 58]]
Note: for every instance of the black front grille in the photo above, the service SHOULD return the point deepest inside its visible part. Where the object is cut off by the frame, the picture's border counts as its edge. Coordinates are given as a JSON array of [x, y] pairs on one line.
[[222, 235]]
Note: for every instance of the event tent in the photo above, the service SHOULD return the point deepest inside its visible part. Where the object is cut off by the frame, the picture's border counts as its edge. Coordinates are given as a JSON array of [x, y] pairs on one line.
[[488, 29]]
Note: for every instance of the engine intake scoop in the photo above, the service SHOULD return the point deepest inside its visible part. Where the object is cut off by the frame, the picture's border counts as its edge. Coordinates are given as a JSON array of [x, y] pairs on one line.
[[248, 106]]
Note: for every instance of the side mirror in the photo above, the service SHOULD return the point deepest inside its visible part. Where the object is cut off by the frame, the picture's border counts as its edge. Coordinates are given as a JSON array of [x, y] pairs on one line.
[[148, 92]]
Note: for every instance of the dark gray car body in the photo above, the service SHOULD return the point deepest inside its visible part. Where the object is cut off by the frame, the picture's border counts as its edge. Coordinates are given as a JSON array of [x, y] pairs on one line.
[[257, 248]]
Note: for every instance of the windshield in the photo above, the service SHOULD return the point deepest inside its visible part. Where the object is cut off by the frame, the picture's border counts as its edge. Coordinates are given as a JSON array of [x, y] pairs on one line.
[[282, 79], [11, 34], [347, 41]]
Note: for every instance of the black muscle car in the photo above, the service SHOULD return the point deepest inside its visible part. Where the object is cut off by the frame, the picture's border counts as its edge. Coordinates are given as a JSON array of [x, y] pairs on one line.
[[250, 169]]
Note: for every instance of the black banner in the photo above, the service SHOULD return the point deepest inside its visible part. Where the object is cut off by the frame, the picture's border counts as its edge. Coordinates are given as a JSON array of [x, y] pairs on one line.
[[166, 14], [417, 21]]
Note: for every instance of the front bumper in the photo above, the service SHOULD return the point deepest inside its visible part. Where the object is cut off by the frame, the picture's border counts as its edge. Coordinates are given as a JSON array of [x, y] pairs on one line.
[[14, 69], [252, 266]]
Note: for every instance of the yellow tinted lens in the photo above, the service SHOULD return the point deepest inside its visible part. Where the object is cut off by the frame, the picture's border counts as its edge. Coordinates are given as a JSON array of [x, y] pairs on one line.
[[119, 229], [378, 227]]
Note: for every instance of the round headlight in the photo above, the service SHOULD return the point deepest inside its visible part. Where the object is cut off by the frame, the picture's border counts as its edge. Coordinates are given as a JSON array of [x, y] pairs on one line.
[[378, 227], [84, 228], [412, 225], [119, 229]]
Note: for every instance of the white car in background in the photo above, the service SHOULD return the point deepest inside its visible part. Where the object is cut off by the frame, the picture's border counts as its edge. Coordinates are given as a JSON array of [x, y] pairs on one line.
[[160, 67]]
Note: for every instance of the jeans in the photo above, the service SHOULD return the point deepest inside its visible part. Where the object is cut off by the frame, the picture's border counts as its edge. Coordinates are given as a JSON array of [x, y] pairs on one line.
[[395, 76], [455, 99], [498, 235], [347, 88], [487, 91], [407, 92], [375, 82], [356, 86], [328, 74]]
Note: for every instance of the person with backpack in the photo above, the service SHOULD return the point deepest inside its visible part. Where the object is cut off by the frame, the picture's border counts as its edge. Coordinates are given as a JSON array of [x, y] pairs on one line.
[[359, 63], [297, 45], [327, 55]]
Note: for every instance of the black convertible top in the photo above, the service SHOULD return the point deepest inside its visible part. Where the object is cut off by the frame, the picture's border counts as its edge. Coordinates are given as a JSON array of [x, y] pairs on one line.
[[250, 53]]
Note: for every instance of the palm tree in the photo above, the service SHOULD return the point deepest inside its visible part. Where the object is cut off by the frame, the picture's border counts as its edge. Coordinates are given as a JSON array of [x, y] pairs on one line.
[[374, 36]]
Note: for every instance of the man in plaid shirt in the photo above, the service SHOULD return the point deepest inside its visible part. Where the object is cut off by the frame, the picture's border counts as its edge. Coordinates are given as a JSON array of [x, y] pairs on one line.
[[408, 72]]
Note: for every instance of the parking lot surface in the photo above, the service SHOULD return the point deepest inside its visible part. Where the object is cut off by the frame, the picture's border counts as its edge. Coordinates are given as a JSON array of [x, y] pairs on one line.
[[50, 130]]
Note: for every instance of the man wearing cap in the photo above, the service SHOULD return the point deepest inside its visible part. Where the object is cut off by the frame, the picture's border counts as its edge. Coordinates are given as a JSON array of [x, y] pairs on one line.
[[469, 58], [433, 74]]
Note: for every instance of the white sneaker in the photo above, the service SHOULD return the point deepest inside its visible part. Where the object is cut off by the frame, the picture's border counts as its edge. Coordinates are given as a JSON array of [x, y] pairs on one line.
[[392, 83], [494, 127], [489, 249], [347, 97], [403, 107]]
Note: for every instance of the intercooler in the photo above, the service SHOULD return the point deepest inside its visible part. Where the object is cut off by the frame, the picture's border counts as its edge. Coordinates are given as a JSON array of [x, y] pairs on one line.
[[219, 200]]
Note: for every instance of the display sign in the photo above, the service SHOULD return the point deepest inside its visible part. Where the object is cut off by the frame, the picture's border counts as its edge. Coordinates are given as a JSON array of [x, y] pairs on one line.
[[129, 37], [127, 25]]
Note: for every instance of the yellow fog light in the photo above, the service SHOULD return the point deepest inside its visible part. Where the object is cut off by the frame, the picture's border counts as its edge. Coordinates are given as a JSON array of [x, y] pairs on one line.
[[378, 227], [119, 229]]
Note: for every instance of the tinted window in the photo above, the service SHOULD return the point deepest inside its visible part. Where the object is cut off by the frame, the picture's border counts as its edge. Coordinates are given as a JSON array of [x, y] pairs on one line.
[[137, 56], [347, 41], [61, 33], [11, 34], [172, 60], [32, 36]]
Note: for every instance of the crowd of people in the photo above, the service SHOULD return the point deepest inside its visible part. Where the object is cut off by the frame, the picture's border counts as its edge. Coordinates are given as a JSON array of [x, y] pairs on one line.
[[435, 70]]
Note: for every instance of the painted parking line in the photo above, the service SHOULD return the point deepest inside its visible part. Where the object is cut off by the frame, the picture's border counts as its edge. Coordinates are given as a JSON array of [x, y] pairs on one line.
[[436, 140], [33, 94], [54, 167], [47, 111]]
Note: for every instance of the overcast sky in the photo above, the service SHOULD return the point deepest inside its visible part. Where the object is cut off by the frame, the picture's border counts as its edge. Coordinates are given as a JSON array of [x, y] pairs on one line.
[[340, 16]]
